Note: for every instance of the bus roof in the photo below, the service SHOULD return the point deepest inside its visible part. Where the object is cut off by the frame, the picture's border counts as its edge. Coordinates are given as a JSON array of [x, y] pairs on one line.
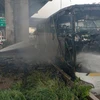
[[93, 9]]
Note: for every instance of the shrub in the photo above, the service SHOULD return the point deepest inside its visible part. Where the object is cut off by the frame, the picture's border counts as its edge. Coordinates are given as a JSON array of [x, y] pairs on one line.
[[81, 90], [65, 94], [11, 95], [44, 94]]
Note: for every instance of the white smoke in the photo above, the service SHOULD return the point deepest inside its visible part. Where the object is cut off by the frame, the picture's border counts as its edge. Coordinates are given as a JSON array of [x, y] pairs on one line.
[[90, 62]]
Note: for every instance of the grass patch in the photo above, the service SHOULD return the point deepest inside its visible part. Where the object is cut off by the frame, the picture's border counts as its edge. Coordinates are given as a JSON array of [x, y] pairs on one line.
[[45, 86]]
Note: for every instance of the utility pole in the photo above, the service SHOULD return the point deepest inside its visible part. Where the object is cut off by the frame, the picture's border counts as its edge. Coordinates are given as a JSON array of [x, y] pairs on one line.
[[60, 4]]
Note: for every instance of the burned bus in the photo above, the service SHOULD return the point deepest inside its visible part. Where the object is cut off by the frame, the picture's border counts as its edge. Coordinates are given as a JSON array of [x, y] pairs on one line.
[[76, 28], [72, 30]]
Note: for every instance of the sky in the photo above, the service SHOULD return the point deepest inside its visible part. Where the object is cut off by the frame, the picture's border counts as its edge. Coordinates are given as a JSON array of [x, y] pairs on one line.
[[55, 5]]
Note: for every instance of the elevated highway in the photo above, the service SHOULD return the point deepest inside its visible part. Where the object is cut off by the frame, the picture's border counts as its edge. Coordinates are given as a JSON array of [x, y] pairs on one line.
[[17, 14], [34, 5]]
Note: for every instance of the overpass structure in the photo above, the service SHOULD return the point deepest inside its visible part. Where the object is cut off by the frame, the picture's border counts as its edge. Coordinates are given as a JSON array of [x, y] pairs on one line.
[[17, 14]]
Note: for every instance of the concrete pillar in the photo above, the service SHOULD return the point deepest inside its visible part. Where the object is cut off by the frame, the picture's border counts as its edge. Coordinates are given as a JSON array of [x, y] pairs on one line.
[[21, 20], [9, 21]]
